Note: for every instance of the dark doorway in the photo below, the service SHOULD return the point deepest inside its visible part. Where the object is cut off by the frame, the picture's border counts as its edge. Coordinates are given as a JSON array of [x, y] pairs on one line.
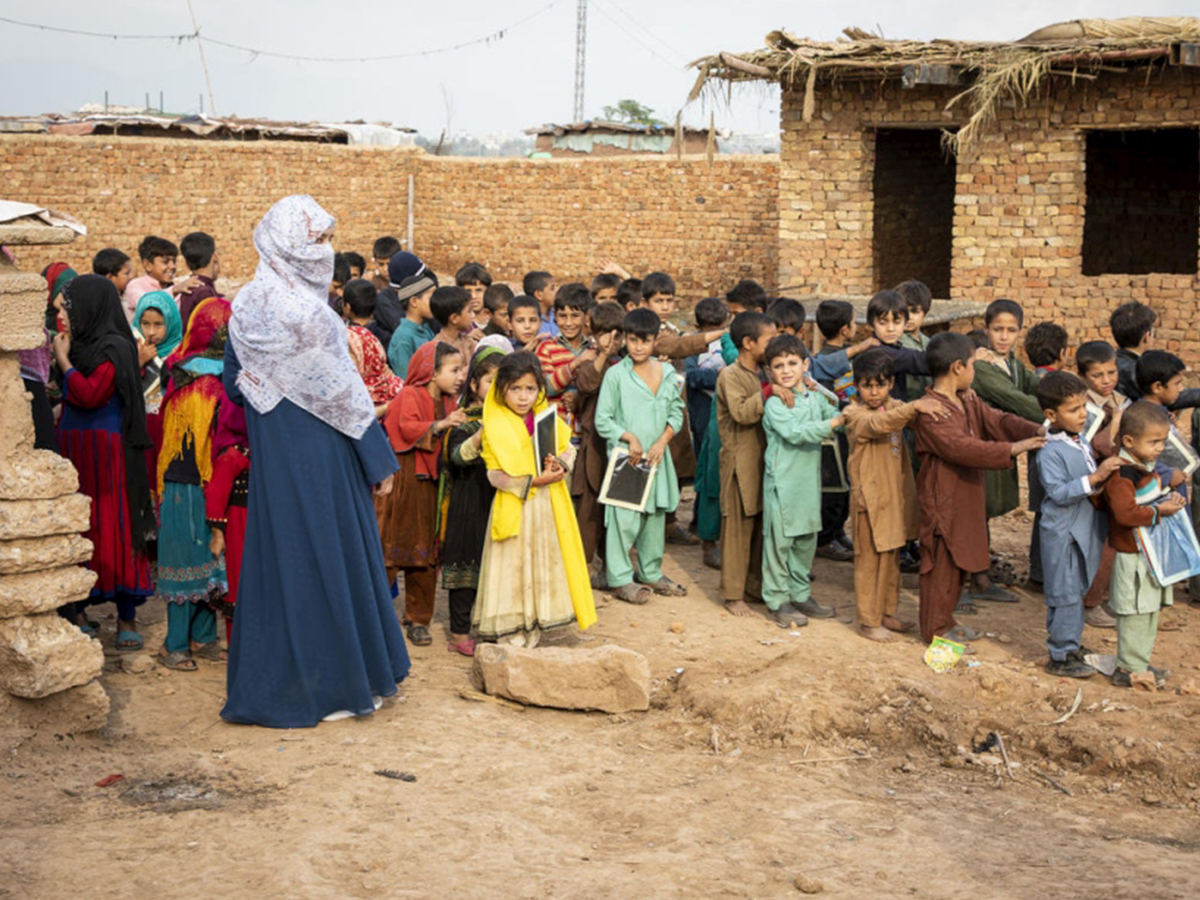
[[914, 208], [1143, 202]]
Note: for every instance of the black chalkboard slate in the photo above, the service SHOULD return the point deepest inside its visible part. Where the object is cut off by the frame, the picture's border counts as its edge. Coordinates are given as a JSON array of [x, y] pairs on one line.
[[627, 484], [545, 436]]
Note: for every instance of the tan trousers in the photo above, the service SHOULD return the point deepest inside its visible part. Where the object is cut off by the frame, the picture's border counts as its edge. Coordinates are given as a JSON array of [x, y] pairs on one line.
[[876, 575], [741, 555]]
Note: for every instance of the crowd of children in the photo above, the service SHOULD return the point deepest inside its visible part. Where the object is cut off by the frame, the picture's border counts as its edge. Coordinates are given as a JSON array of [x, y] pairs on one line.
[[893, 451]]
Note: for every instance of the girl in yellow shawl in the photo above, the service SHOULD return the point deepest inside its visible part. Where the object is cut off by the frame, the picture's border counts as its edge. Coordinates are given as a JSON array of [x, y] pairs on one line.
[[533, 575]]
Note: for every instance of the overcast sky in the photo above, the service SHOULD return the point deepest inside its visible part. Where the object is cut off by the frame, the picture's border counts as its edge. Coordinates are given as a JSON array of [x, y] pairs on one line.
[[636, 49]]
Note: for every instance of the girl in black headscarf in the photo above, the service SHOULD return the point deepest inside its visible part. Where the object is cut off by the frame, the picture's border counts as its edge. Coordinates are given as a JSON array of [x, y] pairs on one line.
[[103, 433]]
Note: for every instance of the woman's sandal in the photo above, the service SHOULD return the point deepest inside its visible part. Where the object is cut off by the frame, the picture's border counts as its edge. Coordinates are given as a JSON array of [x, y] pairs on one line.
[[419, 636], [179, 660], [129, 641], [637, 594], [211, 651], [665, 587], [466, 648]]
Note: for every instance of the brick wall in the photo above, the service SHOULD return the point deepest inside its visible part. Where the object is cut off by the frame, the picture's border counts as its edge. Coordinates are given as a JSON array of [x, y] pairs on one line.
[[1019, 208], [707, 226]]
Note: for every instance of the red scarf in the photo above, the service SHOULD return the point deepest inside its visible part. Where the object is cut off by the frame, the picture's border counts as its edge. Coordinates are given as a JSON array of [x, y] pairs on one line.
[[413, 413]]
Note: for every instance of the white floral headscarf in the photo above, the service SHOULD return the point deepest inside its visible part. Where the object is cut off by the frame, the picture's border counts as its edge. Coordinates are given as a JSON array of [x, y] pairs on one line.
[[287, 339]]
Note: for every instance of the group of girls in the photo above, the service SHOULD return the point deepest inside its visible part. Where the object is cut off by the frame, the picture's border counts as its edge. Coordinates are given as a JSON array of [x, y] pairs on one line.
[[471, 498], [138, 412]]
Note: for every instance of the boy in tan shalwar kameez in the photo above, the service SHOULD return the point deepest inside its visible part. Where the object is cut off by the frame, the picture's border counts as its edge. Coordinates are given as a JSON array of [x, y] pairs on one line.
[[739, 411], [883, 499]]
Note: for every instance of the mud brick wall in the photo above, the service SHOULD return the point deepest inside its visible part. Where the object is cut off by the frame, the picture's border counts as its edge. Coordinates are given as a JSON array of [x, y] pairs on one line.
[[708, 226], [1018, 217]]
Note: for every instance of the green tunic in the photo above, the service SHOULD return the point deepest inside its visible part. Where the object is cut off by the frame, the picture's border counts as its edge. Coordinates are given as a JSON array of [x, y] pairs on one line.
[[792, 465], [626, 403], [1015, 393]]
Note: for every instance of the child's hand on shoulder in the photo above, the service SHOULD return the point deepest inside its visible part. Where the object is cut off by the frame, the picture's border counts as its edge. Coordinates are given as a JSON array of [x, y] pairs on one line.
[[931, 406], [1033, 443], [784, 394], [1104, 470], [861, 347]]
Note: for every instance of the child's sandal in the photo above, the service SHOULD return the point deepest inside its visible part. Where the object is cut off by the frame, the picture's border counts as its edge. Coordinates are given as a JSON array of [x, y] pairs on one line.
[[178, 660], [637, 594], [665, 587]]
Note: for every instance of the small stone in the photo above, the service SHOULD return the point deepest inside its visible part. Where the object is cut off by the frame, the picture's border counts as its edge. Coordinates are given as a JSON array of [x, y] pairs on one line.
[[1189, 687], [137, 663], [1151, 799], [1004, 639], [677, 627], [806, 884]]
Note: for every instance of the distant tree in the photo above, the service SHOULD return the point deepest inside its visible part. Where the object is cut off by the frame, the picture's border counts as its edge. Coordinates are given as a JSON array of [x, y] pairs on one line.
[[632, 112]]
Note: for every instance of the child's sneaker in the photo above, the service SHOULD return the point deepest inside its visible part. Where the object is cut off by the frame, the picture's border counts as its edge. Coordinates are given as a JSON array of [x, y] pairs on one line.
[[1069, 668]]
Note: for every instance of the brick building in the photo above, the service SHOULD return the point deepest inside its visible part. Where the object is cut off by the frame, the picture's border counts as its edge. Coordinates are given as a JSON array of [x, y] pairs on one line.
[[1062, 170]]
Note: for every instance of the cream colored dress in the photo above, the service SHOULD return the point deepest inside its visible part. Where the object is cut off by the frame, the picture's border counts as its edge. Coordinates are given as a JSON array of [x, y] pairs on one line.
[[523, 585]]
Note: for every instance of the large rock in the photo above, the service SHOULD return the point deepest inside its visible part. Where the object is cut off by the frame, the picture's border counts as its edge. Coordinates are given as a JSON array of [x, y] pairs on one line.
[[73, 711], [44, 591], [22, 308], [35, 474], [34, 554], [44, 654], [37, 518], [611, 679]]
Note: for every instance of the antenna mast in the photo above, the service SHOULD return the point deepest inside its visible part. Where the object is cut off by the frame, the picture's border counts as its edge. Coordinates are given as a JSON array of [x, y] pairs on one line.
[[580, 55]]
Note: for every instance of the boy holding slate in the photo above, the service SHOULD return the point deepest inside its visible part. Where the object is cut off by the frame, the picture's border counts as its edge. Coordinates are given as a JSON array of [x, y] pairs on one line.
[[641, 406]]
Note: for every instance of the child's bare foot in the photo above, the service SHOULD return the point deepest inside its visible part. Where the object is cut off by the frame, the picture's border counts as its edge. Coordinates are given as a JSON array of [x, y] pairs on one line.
[[891, 623], [737, 608], [882, 635]]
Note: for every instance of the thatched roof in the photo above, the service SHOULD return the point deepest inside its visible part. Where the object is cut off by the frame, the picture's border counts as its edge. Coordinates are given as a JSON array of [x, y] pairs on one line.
[[991, 71]]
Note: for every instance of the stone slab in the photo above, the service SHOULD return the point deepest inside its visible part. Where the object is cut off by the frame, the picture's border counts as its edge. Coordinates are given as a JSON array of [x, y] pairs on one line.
[[73, 711], [38, 518], [44, 654], [44, 591], [35, 554], [22, 310], [36, 474], [610, 679]]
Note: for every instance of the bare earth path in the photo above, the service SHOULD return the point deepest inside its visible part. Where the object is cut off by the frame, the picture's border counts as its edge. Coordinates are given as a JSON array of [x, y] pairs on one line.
[[766, 756]]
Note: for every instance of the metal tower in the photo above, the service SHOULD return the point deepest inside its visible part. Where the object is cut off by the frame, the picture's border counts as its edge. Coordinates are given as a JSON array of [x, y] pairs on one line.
[[580, 55]]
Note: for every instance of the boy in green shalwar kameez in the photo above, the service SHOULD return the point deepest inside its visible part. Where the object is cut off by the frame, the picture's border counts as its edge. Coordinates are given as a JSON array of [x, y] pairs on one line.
[[641, 406], [792, 484]]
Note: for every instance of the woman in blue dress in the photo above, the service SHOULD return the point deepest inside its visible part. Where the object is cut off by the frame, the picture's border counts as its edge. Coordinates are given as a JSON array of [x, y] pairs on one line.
[[317, 636]]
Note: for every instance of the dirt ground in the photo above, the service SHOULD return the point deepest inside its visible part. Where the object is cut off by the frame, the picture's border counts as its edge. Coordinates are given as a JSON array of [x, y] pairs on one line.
[[767, 757]]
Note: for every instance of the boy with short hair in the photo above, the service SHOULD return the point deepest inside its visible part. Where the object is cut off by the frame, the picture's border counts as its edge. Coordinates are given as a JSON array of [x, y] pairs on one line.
[[788, 316], [357, 264], [1072, 532], [113, 264], [542, 288], [739, 412], [1046, 347], [919, 299], [604, 287], [200, 253], [883, 499], [382, 252], [1135, 597], [561, 356], [525, 320], [607, 325], [746, 296], [887, 317], [341, 274], [629, 294], [835, 322], [495, 300], [641, 406], [450, 307], [700, 376], [413, 294], [954, 451], [359, 297], [158, 257], [792, 483], [476, 280]]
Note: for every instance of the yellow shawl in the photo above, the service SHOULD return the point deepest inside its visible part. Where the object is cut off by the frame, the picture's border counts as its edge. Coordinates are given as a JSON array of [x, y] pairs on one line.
[[508, 446]]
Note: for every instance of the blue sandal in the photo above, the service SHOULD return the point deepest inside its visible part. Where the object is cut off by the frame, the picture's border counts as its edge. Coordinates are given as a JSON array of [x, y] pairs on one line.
[[129, 641]]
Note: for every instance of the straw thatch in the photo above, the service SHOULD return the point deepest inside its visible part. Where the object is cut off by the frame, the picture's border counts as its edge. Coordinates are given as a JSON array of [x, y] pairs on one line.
[[993, 72]]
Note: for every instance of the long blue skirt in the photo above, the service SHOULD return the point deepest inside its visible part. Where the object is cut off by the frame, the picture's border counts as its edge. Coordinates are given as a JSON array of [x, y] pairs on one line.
[[316, 629]]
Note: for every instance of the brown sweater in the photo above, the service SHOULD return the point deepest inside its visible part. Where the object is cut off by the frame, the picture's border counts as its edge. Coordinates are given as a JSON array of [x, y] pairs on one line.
[[1124, 513]]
